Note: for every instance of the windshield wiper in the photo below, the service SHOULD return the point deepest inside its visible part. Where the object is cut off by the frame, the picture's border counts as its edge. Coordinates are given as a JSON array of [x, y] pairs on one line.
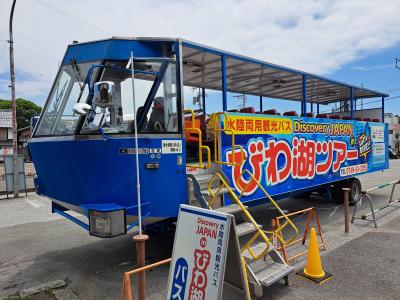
[[77, 73], [59, 94]]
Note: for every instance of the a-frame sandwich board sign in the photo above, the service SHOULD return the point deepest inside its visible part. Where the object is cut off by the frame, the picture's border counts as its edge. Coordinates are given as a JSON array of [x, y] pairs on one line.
[[206, 262]]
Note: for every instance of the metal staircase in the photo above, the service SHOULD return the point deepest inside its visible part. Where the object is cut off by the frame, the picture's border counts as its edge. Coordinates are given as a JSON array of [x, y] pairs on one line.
[[264, 264], [202, 193], [270, 267], [261, 261]]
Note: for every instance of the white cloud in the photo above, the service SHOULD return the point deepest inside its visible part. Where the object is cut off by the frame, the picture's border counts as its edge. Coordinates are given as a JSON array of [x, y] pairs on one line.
[[315, 36], [374, 67], [27, 89]]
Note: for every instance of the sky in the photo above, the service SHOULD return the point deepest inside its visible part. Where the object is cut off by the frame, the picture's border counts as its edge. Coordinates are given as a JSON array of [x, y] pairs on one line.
[[354, 41]]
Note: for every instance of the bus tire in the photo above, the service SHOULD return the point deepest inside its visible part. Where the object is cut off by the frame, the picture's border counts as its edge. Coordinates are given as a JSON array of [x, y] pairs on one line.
[[304, 195], [353, 184]]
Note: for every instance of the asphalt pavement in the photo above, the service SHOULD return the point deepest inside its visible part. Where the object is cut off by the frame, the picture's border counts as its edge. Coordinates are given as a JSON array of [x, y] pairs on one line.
[[367, 267], [37, 246]]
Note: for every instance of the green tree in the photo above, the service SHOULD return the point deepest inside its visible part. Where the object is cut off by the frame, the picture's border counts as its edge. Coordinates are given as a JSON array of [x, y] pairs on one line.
[[25, 111]]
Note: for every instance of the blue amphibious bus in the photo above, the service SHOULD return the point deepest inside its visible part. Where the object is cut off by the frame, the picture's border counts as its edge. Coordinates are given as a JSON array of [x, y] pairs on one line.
[[84, 150]]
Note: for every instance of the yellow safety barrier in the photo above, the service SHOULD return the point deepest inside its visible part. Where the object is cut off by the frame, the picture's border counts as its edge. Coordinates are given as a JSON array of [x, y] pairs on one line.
[[312, 214], [214, 192], [214, 123], [201, 147]]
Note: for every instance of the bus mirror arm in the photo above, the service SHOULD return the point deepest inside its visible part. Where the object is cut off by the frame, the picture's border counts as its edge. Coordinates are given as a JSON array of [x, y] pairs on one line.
[[81, 109], [106, 138]]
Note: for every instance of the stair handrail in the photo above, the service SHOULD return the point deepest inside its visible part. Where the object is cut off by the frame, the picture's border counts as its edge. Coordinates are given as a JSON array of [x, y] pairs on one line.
[[259, 232], [214, 193], [214, 123], [201, 146], [287, 219]]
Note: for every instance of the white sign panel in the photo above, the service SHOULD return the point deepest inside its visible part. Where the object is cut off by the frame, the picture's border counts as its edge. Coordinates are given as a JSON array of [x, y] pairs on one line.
[[198, 259], [171, 146], [377, 133], [5, 118], [379, 153], [378, 149]]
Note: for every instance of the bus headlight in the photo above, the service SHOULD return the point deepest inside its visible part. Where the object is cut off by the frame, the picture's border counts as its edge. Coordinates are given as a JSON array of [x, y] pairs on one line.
[[107, 223]]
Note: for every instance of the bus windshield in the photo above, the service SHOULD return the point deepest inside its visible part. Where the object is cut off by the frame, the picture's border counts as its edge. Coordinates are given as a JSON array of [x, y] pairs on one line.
[[58, 118]]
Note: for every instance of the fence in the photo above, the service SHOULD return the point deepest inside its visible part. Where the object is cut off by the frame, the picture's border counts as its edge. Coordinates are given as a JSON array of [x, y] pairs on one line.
[[127, 290], [365, 195], [30, 172]]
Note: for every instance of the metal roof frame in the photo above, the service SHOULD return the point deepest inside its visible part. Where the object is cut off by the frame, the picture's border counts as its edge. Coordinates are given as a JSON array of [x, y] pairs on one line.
[[319, 89], [210, 68], [197, 49]]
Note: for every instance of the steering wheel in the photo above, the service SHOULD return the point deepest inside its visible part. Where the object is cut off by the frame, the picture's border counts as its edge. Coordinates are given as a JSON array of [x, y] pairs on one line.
[[157, 127]]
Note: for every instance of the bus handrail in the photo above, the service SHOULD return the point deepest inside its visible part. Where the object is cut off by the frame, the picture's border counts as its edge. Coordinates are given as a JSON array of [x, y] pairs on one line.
[[214, 124], [259, 233], [201, 147], [285, 224]]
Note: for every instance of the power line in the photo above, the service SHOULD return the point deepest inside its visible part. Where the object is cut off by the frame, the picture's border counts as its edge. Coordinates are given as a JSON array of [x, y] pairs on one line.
[[393, 90], [66, 14], [24, 37]]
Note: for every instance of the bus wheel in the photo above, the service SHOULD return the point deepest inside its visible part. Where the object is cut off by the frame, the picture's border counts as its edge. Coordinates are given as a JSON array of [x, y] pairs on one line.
[[304, 195], [353, 184], [355, 190]]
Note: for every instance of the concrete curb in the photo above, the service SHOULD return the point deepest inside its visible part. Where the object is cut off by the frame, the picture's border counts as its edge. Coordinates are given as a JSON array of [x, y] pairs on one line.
[[55, 284]]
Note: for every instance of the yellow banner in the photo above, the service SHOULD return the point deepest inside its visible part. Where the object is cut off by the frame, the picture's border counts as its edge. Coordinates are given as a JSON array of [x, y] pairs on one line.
[[258, 124]]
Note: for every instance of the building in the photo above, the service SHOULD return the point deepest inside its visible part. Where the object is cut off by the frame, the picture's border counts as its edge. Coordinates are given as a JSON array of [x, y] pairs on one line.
[[6, 132], [394, 128], [23, 138]]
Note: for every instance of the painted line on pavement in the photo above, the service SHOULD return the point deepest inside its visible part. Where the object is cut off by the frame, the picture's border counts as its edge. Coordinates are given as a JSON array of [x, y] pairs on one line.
[[34, 203]]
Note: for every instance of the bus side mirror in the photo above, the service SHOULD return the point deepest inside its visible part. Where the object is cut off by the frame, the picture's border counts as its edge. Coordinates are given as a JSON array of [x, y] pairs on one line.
[[104, 94], [81, 108]]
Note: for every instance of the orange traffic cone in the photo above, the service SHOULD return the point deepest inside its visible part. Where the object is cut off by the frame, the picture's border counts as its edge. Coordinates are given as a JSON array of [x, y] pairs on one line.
[[313, 269]]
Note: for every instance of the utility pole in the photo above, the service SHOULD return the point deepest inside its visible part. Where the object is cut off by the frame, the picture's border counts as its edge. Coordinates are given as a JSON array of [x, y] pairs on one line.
[[242, 97], [13, 105], [362, 101], [198, 98]]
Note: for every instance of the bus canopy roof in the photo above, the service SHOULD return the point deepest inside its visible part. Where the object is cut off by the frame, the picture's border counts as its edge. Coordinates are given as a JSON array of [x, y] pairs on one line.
[[244, 75], [202, 67]]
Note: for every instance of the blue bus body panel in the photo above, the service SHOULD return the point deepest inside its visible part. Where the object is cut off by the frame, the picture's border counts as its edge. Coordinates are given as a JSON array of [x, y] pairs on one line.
[[101, 174], [114, 49], [287, 154]]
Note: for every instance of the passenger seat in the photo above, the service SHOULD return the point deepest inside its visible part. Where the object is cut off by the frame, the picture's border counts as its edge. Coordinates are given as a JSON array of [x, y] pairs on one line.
[[248, 110], [270, 112]]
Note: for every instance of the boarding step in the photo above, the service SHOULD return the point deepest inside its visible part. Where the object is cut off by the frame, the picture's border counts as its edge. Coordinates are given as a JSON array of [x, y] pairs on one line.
[[258, 248], [268, 273], [246, 228], [203, 177], [230, 209], [223, 190]]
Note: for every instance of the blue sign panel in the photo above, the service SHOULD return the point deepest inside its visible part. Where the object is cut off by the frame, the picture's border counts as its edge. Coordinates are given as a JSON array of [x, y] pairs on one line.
[[286, 154], [179, 279]]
